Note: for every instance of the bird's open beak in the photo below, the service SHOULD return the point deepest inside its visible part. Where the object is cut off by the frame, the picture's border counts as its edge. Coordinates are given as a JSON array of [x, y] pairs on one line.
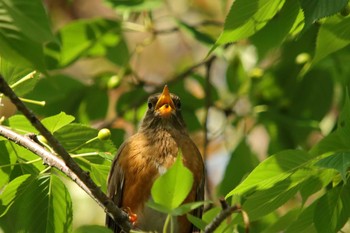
[[165, 104]]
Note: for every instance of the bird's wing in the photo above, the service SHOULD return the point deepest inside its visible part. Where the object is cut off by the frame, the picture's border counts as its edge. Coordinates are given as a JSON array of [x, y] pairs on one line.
[[115, 187]]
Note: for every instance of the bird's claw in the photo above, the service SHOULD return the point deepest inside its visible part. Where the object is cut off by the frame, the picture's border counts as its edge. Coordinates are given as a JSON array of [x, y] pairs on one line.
[[132, 216]]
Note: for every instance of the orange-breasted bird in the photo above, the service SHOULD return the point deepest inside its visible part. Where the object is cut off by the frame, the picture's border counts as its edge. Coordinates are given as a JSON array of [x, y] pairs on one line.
[[148, 154]]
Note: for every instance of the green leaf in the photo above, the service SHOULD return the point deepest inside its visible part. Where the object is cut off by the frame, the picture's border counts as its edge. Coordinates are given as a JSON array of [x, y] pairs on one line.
[[56, 122], [304, 223], [23, 78], [234, 174], [93, 106], [316, 182], [99, 174], [196, 34], [15, 189], [276, 30], [61, 93], [274, 169], [92, 229], [265, 201], [283, 221], [171, 188], [339, 161], [87, 37], [37, 204], [199, 223], [73, 137], [331, 213], [134, 5], [21, 124], [246, 18], [24, 28], [30, 17], [7, 159], [317, 9], [334, 34]]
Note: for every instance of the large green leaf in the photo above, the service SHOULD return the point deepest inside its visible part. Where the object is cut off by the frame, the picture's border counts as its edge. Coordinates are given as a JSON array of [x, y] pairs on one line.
[[247, 17], [24, 28], [88, 37], [22, 80], [274, 169], [99, 174], [331, 212], [339, 161], [317, 9], [76, 138], [304, 223], [265, 201], [334, 35], [92, 229], [14, 190], [170, 189], [7, 161], [56, 122], [39, 204], [61, 93], [276, 30], [21, 124]]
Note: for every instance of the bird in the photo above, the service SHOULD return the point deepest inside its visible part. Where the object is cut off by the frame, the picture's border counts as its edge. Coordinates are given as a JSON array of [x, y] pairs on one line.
[[148, 154]]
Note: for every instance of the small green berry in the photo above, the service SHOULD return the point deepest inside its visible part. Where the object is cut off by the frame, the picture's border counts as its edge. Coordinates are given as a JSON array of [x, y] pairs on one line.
[[113, 82], [302, 58], [104, 134]]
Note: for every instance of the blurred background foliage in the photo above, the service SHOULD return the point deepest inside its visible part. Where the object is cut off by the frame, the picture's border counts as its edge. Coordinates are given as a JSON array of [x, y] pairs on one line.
[[255, 78]]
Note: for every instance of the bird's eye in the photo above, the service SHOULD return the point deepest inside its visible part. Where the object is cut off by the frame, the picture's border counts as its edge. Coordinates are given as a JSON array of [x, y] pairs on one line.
[[150, 105]]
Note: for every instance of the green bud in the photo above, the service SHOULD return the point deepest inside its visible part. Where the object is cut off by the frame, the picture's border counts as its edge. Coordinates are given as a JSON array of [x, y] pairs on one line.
[[113, 82], [104, 134]]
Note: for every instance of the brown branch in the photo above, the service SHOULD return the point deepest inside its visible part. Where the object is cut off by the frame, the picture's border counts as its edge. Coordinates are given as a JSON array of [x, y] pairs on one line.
[[225, 213], [91, 188]]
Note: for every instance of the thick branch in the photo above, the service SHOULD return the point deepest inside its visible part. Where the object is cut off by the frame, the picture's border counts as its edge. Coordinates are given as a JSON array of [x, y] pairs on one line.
[[91, 188]]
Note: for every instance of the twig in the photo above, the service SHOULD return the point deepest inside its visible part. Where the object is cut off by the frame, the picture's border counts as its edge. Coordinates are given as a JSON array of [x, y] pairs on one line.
[[208, 103], [91, 188], [225, 213]]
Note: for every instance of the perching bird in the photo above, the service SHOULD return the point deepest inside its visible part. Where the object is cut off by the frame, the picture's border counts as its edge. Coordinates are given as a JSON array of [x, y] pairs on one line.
[[148, 154]]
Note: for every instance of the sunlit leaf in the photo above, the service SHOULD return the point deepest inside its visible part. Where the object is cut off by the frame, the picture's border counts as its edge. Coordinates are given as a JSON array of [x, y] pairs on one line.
[[7, 161], [56, 122], [331, 213], [24, 29], [14, 74], [339, 161], [246, 18], [88, 37], [274, 169], [171, 188], [317, 9], [334, 34], [76, 137], [92, 229], [276, 29]]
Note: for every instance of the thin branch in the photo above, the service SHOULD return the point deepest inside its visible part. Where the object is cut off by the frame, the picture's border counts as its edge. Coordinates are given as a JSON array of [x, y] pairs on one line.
[[225, 213], [91, 188]]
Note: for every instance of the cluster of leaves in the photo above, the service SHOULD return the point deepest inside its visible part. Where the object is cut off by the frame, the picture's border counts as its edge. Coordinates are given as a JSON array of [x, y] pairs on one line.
[[299, 79]]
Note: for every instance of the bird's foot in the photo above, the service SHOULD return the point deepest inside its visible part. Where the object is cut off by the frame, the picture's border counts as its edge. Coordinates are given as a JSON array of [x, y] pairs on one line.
[[132, 216]]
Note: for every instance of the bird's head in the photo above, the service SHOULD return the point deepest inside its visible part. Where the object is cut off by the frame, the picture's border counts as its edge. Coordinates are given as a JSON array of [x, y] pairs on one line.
[[164, 110]]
